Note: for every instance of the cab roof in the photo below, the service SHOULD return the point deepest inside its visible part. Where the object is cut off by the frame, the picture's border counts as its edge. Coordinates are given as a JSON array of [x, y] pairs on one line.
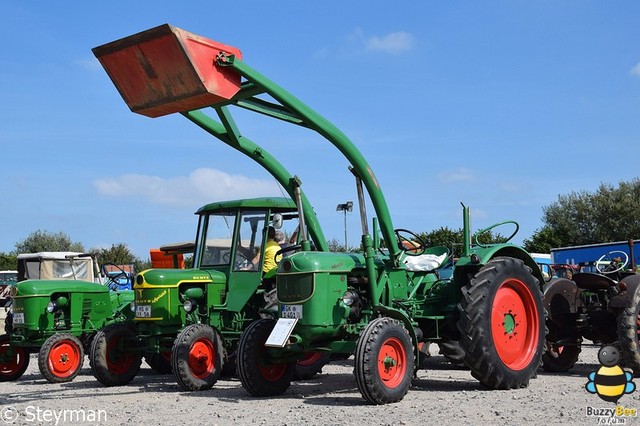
[[274, 203]]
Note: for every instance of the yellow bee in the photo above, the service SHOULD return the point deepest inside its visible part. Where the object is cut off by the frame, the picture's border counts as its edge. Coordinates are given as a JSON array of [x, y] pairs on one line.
[[610, 382]]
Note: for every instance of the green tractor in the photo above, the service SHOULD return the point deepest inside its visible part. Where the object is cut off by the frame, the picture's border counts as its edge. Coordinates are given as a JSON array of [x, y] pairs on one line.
[[57, 306], [189, 320], [381, 305]]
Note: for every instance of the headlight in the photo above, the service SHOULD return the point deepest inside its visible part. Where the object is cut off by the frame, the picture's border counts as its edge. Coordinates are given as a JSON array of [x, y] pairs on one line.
[[349, 297], [132, 305], [51, 307], [189, 305]]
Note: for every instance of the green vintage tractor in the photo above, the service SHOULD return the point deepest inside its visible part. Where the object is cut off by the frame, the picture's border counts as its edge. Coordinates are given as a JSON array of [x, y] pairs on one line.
[[381, 305], [58, 305], [190, 320]]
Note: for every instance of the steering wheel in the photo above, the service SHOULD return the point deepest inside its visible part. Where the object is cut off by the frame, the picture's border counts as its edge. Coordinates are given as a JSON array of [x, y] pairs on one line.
[[407, 243], [609, 261], [242, 261], [113, 279], [286, 250]]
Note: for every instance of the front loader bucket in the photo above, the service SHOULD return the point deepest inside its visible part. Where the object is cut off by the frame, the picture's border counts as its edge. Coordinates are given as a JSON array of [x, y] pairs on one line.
[[166, 70]]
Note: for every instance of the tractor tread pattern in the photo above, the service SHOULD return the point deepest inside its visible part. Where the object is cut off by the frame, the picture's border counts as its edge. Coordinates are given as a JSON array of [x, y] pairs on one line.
[[475, 325], [43, 357], [366, 361]]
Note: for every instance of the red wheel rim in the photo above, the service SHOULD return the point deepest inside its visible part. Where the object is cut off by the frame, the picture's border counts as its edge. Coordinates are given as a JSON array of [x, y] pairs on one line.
[[201, 358], [13, 359], [271, 372], [118, 362], [64, 359], [310, 358], [392, 362], [514, 324]]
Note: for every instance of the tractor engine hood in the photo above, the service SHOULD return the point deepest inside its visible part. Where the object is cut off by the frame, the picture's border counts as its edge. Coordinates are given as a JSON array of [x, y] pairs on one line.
[[175, 277], [48, 287], [321, 262]]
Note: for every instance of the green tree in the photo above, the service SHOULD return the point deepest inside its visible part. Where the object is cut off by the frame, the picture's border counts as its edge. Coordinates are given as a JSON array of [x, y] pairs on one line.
[[454, 239], [8, 261], [607, 214], [41, 240], [117, 253]]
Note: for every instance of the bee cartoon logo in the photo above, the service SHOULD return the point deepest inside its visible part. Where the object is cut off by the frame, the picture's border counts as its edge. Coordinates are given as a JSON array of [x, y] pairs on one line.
[[610, 382]]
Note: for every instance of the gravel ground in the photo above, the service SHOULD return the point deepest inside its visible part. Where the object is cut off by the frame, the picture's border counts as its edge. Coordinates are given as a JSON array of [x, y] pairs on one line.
[[440, 395]]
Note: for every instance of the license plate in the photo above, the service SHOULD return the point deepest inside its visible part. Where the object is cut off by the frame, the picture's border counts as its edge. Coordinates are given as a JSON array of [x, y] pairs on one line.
[[18, 318], [291, 311], [143, 311]]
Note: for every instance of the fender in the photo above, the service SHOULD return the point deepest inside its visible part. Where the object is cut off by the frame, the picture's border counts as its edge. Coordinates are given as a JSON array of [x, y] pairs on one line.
[[625, 298], [406, 321], [560, 297]]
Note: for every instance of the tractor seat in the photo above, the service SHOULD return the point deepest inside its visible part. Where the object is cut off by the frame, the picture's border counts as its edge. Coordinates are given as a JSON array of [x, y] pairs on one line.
[[592, 281]]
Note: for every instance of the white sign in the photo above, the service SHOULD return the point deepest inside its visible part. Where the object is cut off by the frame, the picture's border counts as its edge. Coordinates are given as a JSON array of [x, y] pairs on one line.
[[281, 332]]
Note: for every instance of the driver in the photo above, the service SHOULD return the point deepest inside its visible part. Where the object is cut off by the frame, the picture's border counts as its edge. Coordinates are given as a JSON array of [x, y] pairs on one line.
[[270, 250]]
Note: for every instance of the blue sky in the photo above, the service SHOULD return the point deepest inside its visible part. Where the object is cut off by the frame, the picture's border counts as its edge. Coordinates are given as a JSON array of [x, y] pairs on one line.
[[501, 105]]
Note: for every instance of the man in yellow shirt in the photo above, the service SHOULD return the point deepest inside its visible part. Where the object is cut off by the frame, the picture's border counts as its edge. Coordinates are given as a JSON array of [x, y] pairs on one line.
[[270, 250]]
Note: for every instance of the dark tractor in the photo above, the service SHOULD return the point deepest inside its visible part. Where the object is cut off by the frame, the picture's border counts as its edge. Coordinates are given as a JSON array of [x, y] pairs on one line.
[[597, 301]]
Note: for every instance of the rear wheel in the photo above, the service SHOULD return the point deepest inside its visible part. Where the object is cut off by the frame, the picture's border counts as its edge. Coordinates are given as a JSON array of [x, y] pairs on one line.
[[259, 375], [159, 362], [629, 334], [60, 358], [14, 360], [197, 357], [560, 358], [384, 361], [502, 324], [452, 352], [110, 362], [311, 365]]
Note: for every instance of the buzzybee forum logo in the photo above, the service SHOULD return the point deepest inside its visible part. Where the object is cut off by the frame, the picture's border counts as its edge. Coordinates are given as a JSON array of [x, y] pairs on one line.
[[610, 382]]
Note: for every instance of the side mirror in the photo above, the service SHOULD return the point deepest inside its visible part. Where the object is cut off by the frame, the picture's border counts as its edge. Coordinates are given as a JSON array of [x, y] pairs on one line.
[[277, 221]]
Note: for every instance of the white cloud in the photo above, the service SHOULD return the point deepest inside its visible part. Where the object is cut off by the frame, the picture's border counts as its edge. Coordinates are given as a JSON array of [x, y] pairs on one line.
[[459, 175], [636, 70], [396, 42], [201, 186]]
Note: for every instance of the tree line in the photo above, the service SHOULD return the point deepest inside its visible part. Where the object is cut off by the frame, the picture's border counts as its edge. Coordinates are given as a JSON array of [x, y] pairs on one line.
[[577, 218]]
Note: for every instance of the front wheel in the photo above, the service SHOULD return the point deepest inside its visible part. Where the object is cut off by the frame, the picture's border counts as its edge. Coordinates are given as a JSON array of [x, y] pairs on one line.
[[502, 324], [259, 374], [111, 363], [14, 360], [629, 334], [384, 361], [197, 357], [60, 358]]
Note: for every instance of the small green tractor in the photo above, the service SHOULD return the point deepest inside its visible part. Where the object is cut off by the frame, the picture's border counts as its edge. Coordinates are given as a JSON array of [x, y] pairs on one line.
[[57, 306], [189, 320], [380, 305]]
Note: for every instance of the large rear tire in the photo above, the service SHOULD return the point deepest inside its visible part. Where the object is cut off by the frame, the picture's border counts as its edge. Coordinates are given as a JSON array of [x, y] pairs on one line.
[[629, 334], [384, 361], [14, 360], [159, 362], [560, 358], [452, 352], [197, 357], [258, 374], [502, 324], [311, 365], [60, 358], [110, 363]]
